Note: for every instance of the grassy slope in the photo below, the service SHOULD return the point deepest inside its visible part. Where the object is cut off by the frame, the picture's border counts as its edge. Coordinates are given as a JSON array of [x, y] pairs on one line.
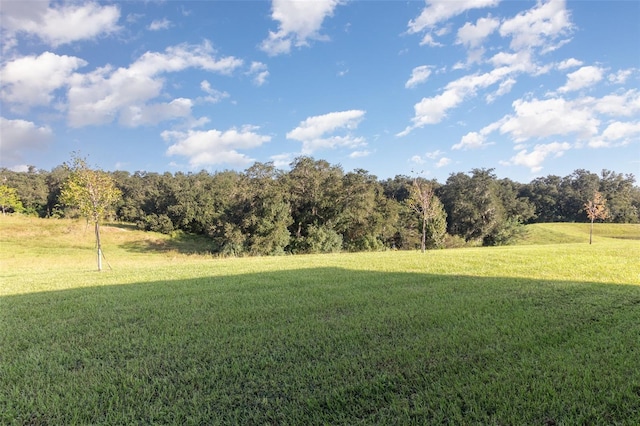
[[527, 334]]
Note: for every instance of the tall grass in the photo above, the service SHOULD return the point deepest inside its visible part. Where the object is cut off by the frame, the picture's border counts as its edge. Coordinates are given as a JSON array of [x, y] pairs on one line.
[[532, 334]]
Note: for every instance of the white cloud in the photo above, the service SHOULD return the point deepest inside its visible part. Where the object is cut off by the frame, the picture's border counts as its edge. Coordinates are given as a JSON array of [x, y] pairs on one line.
[[543, 118], [437, 11], [144, 115], [419, 75], [259, 73], [581, 117], [58, 24], [215, 96], [299, 21], [416, 159], [472, 35], [428, 40], [31, 80], [433, 110], [503, 89], [444, 161], [584, 77], [433, 154], [534, 159], [213, 147], [617, 133], [569, 63], [359, 154], [538, 26], [315, 132], [159, 24], [100, 96], [620, 104], [20, 135], [621, 76], [472, 140], [282, 160]]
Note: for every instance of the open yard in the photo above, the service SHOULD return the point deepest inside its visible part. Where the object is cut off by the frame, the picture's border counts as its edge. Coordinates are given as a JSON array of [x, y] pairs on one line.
[[546, 332]]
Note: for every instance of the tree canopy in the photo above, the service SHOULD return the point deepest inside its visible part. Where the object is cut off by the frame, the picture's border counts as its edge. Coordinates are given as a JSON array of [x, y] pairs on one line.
[[318, 207]]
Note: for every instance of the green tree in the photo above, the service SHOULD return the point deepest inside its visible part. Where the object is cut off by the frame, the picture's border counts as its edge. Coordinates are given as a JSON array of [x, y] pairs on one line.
[[9, 200], [596, 208], [618, 190], [92, 192], [265, 210], [313, 188]]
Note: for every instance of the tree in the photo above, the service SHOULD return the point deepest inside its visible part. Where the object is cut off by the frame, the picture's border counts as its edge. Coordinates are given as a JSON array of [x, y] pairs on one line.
[[423, 201], [9, 200], [93, 192], [596, 209]]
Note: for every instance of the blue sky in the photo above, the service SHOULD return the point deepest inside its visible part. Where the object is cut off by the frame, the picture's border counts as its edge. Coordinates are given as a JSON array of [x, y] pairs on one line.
[[529, 88]]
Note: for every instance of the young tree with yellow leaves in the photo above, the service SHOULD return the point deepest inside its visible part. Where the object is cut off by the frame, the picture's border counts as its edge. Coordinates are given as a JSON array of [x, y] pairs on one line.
[[596, 209], [93, 192]]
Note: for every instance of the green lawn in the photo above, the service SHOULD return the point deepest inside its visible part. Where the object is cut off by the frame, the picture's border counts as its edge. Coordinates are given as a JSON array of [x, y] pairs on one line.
[[544, 333]]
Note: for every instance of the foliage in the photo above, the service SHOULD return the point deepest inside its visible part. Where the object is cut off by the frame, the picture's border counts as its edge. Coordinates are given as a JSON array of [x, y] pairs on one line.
[[92, 192], [264, 210], [9, 200], [596, 209]]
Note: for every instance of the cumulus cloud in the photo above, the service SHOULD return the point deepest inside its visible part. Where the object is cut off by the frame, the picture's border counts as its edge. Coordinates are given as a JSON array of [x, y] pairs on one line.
[[472, 35], [617, 133], [437, 11], [102, 95], [58, 24], [504, 88], [213, 96], [534, 159], [621, 76], [359, 154], [472, 140], [317, 132], [569, 63], [584, 77], [259, 73], [544, 118], [20, 135], [444, 161], [433, 110], [282, 160], [31, 80], [538, 26], [159, 24], [145, 115], [214, 147], [419, 75], [624, 104], [299, 22]]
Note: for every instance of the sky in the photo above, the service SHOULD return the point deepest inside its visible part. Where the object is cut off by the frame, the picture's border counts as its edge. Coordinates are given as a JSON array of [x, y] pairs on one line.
[[430, 88]]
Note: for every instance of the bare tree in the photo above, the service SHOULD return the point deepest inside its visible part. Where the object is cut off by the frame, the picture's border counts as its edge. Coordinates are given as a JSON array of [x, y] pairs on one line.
[[596, 209], [421, 201]]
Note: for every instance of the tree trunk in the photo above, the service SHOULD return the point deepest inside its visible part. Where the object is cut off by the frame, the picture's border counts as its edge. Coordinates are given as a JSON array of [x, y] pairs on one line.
[[424, 233], [99, 245], [591, 232]]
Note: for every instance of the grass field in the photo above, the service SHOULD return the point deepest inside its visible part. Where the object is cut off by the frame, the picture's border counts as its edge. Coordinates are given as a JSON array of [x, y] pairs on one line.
[[547, 332]]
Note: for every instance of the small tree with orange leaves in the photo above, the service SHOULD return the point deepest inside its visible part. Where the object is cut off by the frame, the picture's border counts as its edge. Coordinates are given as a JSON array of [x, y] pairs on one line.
[[596, 209]]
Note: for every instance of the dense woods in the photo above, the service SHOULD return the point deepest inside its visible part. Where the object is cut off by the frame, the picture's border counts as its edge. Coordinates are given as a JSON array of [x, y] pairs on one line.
[[318, 207]]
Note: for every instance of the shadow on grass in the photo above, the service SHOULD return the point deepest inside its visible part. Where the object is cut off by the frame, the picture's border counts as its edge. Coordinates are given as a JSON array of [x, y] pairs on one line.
[[180, 242], [323, 346]]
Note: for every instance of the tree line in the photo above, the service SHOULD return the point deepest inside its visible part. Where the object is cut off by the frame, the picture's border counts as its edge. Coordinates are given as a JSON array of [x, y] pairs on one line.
[[318, 207]]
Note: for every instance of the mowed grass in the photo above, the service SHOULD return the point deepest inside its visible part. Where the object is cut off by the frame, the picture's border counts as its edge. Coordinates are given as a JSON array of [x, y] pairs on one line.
[[546, 333]]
